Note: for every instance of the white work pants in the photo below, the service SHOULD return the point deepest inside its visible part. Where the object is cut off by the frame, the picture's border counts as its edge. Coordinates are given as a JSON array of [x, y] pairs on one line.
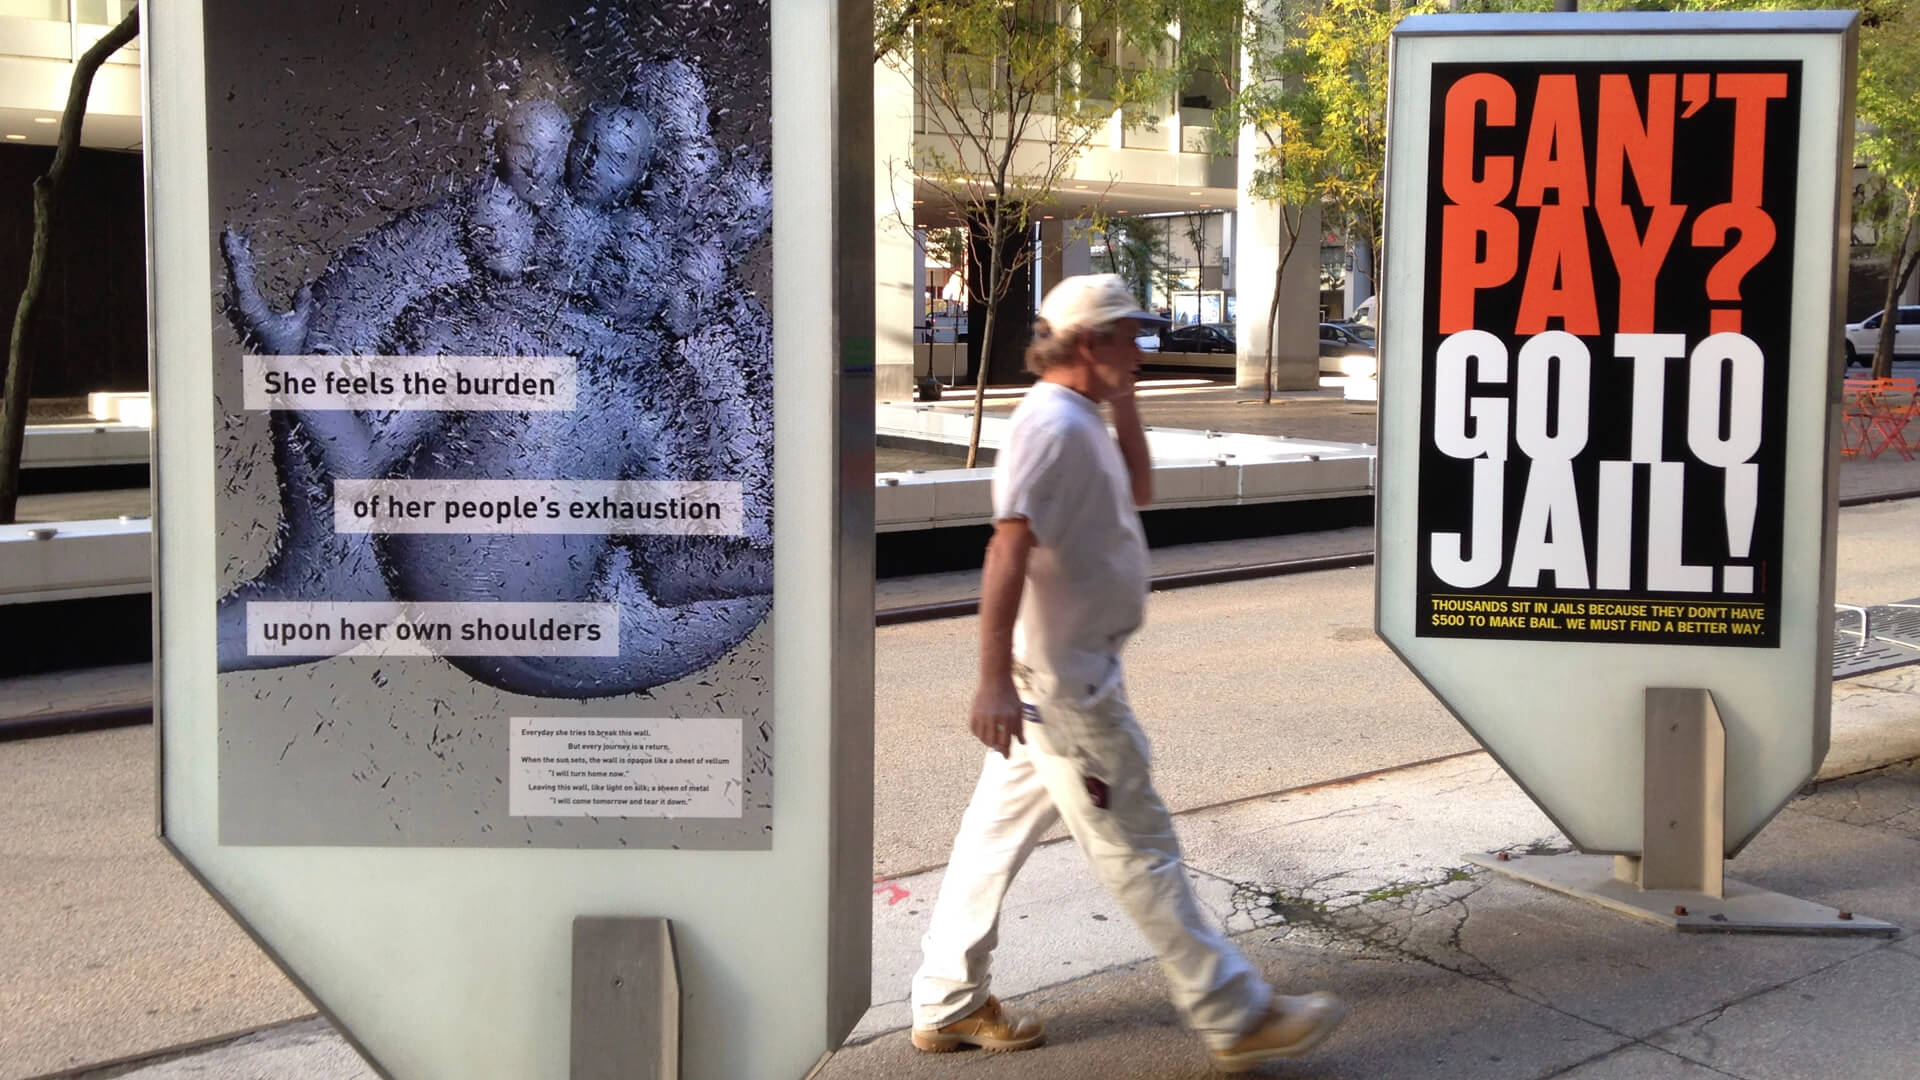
[[1133, 851]]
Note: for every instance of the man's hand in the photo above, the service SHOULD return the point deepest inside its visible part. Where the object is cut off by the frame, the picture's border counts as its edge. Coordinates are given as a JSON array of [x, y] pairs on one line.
[[1132, 437], [996, 719]]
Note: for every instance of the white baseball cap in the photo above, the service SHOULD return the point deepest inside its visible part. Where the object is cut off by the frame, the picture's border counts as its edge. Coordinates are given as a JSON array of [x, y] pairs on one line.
[[1092, 300]]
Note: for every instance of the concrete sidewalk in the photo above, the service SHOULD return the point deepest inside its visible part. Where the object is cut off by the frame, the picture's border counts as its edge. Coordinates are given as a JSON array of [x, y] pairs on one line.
[[1361, 886]]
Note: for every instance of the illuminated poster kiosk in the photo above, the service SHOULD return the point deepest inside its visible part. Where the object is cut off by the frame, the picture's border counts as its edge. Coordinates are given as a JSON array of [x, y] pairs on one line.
[[513, 369], [1616, 250]]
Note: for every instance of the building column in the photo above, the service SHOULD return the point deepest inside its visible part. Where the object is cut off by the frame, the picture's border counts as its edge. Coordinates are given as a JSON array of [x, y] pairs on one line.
[[1049, 271], [1065, 252], [1257, 245], [1229, 262], [1076, 249], [898, 263], [1258, 241], [1359, 276], [1012, 316]]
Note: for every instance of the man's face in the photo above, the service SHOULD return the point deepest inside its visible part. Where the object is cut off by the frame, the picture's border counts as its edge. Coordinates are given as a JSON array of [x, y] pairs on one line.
[[1114, 359]]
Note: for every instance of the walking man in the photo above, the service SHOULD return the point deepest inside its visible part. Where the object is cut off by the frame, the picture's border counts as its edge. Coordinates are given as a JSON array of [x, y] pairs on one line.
[[1063, 587]]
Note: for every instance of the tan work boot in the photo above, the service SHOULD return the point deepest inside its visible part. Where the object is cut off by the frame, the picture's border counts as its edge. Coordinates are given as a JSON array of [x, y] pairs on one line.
[[1292, 1026], [988, 1027]]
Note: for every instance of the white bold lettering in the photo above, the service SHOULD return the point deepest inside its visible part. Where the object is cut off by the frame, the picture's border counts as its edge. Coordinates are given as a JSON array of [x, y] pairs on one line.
[[1452, 407], [1489, 500], [1534, 379]]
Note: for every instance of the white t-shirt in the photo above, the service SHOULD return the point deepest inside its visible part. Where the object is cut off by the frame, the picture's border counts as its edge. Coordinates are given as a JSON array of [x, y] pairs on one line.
[[1086, 585]]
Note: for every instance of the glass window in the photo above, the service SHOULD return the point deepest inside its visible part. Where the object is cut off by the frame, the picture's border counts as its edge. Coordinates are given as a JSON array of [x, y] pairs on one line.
[[55, 10], [1910, 316], [100, 12]]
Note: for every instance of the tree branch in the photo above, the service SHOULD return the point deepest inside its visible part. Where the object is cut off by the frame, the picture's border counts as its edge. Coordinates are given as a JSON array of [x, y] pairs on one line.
[[46, 203]]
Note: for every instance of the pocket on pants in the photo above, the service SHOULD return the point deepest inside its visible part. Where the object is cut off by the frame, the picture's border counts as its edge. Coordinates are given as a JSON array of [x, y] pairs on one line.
[[1104, 742]]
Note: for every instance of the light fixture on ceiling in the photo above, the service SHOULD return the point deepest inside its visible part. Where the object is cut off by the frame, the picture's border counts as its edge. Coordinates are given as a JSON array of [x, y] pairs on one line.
[[16, 138], [1079, 187], [1119, 211], [1196, 193], [46, 119]]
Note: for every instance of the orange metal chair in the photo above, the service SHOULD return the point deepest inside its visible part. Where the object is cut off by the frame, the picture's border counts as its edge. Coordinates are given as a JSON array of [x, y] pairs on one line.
[[1898, 403], [1858, 416]]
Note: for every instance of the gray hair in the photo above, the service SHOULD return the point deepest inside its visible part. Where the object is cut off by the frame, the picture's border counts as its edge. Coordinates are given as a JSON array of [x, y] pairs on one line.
[[1050, 348]]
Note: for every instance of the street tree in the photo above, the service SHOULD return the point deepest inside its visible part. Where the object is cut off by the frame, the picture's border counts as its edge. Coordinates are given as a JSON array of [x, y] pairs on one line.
[[1310, 84], [1135, 249], [1345, 46], [1012, 92], [1887, 106], [47, 190], [1194, 227], [1889, 144], [1261, 58]]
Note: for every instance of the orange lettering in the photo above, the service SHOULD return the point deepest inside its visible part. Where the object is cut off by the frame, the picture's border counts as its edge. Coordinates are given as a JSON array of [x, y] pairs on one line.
[[1622, 137], [1638, 259], [1750, 93], [1464, 100], [1559, 275], [1555, 157], [1463, 270]]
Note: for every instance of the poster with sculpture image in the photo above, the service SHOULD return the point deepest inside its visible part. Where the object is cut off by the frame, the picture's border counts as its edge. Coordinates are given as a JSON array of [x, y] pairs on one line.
[[492, 367]]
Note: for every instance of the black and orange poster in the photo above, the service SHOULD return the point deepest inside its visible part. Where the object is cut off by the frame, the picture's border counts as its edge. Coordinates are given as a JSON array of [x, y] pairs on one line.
[[1605, 326]]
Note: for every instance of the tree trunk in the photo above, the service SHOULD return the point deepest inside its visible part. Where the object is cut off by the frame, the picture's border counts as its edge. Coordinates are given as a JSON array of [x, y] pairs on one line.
[[995, 289], [980, 387], [46, 202], [1897, 275], [1273, 312], [1291, 234]]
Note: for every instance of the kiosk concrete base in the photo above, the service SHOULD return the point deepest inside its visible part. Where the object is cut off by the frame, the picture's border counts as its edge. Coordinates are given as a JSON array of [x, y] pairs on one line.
[[1744, 908]]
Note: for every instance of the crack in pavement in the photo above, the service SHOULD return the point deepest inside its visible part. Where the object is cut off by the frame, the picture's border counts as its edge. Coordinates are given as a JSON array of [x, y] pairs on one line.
[[1631, 1044], [1697, 1025], [1396, 922], [1382, 920], [1319, 817]]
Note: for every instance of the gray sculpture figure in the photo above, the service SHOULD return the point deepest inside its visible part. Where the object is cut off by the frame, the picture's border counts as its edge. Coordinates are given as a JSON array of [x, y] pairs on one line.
[[617, 240]]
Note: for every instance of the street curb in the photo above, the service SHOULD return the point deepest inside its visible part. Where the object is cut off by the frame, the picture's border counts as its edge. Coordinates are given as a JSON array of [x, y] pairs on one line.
[[954, 609], [75, 721]]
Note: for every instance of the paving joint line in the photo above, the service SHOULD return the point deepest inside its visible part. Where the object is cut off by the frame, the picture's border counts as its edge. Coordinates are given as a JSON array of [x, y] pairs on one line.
[[1300, 789], [120, 1066]]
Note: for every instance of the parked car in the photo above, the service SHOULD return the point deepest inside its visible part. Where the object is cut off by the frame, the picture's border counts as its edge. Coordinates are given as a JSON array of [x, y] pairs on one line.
[[1863, 337], [1198, 338], [1345, 339], [1347, 349]]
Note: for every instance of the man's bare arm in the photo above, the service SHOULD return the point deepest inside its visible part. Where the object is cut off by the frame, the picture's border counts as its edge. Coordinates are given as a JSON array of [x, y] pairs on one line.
[[995, 719], [1133, 447]]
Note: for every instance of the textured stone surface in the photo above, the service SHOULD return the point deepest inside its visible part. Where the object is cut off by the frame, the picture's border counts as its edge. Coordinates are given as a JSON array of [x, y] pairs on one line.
[[1886, 800], [1853, 1019], [110, 949]]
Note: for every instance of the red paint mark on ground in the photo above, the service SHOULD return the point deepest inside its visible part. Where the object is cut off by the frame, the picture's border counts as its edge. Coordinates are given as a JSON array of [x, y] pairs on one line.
[[895, 893]]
